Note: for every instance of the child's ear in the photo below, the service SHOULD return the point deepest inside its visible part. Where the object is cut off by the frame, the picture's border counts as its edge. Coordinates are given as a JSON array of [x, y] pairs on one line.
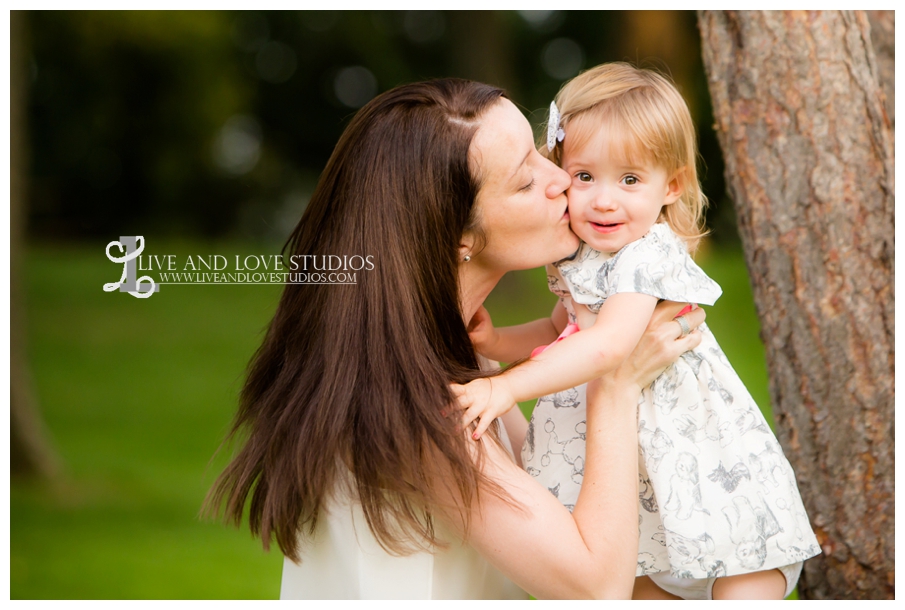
[[675, 187]]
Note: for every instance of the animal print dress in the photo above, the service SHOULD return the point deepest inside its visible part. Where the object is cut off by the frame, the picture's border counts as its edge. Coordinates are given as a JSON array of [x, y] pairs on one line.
[[717, 495]]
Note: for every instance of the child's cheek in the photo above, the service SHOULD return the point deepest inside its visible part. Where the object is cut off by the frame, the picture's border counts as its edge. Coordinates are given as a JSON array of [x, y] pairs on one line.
[[578, 206], [574, 209], [575, 205]]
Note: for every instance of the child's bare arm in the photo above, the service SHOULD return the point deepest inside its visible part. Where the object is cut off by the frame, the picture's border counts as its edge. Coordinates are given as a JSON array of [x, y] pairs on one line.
[[576, 359], [511, 343]]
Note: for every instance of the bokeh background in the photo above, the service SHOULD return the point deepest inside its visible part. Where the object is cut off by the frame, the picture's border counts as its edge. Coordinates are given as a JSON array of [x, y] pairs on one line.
[[205, 132]]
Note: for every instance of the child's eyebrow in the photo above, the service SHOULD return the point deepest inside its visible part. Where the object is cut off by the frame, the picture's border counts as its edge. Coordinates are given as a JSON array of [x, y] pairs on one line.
[[576, 159], [632, 165]]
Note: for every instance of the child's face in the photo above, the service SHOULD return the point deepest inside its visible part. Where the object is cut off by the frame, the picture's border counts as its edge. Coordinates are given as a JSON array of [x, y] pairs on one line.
[[612, 201]]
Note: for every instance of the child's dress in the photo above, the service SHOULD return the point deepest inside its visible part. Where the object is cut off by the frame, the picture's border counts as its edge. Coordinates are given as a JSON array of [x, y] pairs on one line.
[[717, 495]]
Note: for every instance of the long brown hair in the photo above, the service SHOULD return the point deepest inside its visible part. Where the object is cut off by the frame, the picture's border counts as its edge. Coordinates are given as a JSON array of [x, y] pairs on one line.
[[356, 376]]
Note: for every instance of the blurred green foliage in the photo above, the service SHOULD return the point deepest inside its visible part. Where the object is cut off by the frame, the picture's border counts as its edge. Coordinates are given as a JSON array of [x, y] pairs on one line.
[[138, 395], [218, 123]]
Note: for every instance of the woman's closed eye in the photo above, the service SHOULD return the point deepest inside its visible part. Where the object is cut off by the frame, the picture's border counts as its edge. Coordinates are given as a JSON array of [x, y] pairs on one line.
[[529, 186]]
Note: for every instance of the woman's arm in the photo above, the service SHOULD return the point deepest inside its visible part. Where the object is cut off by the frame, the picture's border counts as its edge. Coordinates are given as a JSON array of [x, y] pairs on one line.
[[589, 554], [511, 343], [592, 552], [516, 429]]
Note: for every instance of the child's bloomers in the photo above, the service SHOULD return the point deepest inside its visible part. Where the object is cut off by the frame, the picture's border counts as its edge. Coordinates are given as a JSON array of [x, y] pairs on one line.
[[717, 495]]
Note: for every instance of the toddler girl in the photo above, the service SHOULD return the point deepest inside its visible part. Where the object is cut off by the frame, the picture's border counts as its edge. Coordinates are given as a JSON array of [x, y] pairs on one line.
[[719, 509]]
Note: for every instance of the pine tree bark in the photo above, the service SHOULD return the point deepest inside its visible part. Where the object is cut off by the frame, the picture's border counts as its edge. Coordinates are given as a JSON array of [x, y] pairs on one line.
[[31, 454], [883, 39], [809, 163]]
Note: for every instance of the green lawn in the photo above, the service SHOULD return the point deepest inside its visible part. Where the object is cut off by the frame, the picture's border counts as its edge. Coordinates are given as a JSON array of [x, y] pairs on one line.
[[138, 393]]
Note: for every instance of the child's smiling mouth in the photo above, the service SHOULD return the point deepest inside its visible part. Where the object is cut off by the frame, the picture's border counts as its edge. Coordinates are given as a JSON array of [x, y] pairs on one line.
[[609, 227]]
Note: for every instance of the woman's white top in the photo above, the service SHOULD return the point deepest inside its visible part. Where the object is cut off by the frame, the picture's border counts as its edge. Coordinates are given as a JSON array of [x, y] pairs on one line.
[[346, 562]]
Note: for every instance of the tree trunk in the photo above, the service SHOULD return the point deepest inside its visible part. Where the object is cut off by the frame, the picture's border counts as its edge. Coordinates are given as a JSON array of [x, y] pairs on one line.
[[883, 38], [809, 164], [30, 452]]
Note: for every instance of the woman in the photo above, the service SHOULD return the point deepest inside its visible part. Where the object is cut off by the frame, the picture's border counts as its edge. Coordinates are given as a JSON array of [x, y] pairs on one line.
[[353, 461]]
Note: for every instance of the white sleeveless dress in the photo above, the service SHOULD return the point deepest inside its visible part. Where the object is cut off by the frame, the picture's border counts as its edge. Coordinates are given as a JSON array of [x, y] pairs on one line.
[[346, 562]]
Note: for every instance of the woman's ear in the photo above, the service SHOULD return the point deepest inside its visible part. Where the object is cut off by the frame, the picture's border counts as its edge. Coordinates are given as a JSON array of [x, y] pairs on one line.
[[466, 247], [675, 187]]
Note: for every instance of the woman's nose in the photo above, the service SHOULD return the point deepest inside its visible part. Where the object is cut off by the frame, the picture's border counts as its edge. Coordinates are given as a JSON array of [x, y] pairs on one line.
[[559, 181]]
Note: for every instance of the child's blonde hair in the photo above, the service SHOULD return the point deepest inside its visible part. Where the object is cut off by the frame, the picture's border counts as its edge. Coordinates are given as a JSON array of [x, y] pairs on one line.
[[649, 121]]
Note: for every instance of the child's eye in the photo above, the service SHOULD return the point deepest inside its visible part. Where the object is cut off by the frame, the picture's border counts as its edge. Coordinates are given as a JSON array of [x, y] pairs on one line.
[[630, 180], [583, 177]]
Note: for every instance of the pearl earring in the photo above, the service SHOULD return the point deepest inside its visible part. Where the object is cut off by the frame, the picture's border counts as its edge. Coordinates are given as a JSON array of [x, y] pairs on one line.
[[467, 258]]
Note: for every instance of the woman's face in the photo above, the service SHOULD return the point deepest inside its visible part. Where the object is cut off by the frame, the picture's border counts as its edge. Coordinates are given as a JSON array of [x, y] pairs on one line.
[[522, 206]]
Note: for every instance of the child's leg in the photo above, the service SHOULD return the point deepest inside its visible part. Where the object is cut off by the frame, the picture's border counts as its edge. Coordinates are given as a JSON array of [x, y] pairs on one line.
[[754, 585], [645, 588], [769, 584]]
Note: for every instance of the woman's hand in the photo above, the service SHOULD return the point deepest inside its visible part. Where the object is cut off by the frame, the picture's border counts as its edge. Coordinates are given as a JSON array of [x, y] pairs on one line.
[[661, 344]]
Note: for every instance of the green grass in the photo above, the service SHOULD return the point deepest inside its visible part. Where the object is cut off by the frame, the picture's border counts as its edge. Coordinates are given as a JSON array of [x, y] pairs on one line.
[[137, 395]]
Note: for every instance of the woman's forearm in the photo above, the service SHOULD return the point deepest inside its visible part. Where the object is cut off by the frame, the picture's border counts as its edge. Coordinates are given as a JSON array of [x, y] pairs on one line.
[[516, 342], [610, 486], [552, 554], [592, 552]]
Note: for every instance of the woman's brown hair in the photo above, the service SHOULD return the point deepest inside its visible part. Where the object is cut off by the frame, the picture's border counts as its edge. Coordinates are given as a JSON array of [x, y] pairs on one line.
[[353, 378]]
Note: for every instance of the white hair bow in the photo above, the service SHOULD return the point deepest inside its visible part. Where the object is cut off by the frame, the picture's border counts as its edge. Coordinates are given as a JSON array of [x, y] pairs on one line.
[[554, 131]]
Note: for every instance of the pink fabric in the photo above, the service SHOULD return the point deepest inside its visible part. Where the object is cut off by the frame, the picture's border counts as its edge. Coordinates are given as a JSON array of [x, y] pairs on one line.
[[686, 309], [570, 329]]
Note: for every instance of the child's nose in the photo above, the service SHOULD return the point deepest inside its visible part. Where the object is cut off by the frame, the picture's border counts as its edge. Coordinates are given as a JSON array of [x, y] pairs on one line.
[[604, 201]]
